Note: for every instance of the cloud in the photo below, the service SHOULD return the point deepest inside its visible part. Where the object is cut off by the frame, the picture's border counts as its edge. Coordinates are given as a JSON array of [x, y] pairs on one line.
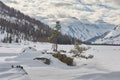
[[116, 1], [107, 10], [112, 3]]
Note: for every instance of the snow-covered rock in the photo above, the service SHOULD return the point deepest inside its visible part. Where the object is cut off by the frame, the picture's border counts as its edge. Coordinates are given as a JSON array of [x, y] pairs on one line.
[[14, 74]]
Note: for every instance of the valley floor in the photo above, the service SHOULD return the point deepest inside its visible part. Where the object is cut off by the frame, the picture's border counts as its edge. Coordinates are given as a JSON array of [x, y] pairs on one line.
[[104, 66]]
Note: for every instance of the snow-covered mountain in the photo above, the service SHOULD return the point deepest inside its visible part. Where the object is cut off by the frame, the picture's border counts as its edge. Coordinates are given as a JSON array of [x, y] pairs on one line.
[[111, 37], [17, 27], [86, 31], [80, 18]]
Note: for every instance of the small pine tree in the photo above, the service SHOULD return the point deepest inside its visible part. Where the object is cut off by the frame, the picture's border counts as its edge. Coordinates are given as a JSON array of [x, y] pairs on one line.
[[10, 39], [77, 51], [17, 41], [76, 45], [54, 36], [78, 48]]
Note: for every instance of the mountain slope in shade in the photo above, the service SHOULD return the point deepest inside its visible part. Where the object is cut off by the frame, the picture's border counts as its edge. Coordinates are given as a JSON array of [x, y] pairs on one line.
[[112, 37], [16, 25], [78, 18]]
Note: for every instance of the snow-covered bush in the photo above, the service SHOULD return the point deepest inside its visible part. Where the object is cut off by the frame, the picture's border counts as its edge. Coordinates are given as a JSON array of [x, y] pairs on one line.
[[28, 49], [45, 60], [78, 50], [63, 51], [90, 56], [87, 57], [63, 58]]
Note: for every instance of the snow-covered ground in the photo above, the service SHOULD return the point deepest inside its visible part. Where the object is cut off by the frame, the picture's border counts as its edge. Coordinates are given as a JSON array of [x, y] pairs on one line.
[[104, 66]]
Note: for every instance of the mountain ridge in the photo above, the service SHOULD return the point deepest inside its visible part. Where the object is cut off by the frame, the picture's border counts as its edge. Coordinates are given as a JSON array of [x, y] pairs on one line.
[[111, 37]]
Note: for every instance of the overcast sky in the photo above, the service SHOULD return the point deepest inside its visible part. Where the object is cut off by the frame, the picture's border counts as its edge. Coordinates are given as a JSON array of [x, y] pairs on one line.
[[117, 2], [106, 10]]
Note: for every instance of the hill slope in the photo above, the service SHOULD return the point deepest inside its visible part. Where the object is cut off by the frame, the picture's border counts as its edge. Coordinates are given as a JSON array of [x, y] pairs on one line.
[[14, 24]]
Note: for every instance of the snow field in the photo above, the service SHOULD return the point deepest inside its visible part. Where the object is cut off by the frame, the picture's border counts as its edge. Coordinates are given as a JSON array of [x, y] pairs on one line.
[[104, 66]]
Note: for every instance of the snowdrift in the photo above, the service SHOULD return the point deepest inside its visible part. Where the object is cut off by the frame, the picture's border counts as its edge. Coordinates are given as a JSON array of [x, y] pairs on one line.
[[29, 56]]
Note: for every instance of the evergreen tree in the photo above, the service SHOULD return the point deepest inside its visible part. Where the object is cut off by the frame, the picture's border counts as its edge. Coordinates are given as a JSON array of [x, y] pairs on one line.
[[76, 45], [10, 39], [54, 36], [17, 41]]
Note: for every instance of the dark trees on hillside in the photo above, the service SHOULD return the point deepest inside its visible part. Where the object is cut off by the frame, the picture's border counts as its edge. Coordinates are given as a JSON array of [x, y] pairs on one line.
[[24, 31]]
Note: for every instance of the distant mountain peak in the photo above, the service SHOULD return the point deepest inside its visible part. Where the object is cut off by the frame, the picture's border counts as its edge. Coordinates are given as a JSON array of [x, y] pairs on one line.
[[111, 37]]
